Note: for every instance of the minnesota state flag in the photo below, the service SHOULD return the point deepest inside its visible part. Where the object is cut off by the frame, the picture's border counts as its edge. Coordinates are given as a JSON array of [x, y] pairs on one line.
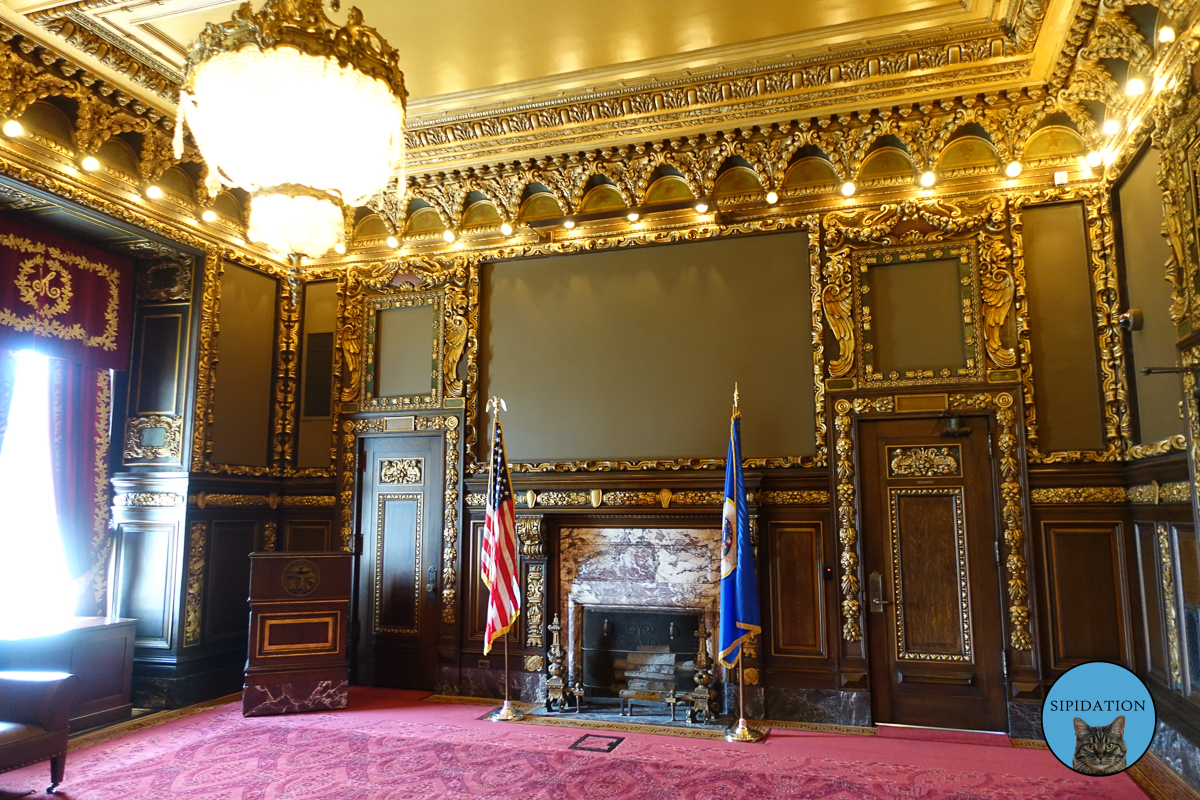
[[739, 590]]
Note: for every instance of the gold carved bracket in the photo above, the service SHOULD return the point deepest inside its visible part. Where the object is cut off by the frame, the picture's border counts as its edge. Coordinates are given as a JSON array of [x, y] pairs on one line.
[[913, 227]]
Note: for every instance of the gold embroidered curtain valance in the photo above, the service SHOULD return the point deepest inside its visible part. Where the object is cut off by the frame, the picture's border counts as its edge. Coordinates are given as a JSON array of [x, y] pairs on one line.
[[63, 298]]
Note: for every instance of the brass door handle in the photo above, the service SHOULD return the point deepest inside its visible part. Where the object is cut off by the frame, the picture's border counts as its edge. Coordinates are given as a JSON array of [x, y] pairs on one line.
[[875, 589]]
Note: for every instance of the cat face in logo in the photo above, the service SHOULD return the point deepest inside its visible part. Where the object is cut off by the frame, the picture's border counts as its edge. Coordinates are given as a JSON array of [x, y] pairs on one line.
[[1099, 750]]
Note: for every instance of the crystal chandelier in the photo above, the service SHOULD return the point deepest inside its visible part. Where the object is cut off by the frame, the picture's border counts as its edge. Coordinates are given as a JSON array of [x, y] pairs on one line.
[[306, 116]]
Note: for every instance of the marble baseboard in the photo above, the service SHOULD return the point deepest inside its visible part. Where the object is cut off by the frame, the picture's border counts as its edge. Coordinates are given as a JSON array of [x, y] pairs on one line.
[[1177, 753], [528, 687], [186, 690], [1025, 720], [294, 698], [823, 706], [755, 705]]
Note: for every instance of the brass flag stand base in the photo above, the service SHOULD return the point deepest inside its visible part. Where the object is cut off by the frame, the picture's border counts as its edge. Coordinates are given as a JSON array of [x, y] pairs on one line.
[[506, 713], [743, 732]]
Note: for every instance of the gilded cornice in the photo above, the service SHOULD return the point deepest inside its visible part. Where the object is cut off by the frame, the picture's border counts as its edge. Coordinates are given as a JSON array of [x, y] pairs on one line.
[[30, 71], [609, 110]]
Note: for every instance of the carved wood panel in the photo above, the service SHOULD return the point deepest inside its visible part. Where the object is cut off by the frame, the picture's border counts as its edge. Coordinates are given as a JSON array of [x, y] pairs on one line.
[[1088, 614], [797, 597], [930, 594]]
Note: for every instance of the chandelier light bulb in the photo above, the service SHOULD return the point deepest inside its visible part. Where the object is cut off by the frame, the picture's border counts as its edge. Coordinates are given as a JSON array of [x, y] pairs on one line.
[[13, 129], [393, 242], [1094, 159], [569, 224], [256, 97], [928, 178], [701, 207], [1166, 34], [772, 198], [506, 229], [154, 192], [1013, 169], [1135, 87], [1112, 127], [448, 235], [633, 216], [90, 163], [848, 188], [340, 249]]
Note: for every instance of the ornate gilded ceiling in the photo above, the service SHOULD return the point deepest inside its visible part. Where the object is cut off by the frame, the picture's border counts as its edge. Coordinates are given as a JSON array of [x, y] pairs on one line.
[[494, 80]]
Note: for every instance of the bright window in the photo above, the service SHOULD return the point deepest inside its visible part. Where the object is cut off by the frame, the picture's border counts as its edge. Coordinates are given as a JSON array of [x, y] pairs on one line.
[[36, 593]]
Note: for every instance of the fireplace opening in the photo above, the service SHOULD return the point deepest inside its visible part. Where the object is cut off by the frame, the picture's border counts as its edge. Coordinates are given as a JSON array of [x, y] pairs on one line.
[[645, 655]]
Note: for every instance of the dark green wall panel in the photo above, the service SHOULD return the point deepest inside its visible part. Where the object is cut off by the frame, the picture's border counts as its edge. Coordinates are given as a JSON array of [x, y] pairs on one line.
[[1062, 319], [634, 353], [1145, 254]]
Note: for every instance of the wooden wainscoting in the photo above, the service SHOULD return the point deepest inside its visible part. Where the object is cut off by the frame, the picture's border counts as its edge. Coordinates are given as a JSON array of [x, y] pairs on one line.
[[1084, 568]]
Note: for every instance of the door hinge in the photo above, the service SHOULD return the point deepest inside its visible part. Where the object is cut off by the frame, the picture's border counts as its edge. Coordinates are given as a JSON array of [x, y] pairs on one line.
[[989, 445], [1004, 661], [997, 543]]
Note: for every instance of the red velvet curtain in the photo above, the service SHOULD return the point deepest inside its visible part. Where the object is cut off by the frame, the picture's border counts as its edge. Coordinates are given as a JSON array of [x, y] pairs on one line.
[[8, 379], [80, 411], [71, 302], [62, 298]]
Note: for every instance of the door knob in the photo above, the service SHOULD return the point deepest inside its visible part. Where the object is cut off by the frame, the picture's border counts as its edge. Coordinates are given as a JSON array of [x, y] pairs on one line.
[[875, 589], [431, 584]]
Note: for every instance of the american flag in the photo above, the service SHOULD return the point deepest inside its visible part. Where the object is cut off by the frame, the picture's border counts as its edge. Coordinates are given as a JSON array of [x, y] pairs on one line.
[[498, 555]]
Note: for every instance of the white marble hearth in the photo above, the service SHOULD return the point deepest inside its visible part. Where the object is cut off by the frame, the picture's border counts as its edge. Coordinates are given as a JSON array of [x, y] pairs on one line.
[[637, 568]]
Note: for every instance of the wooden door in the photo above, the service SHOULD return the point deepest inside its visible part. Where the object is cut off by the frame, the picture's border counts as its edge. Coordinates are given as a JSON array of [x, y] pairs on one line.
[[931, 561], [400, 560]]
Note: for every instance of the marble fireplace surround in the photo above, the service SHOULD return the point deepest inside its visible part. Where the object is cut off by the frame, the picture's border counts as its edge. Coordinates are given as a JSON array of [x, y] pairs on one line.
[[639, 569]]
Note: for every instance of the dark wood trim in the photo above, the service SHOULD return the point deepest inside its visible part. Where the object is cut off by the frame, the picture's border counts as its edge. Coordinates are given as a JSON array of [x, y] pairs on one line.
[[1159, 781], [1175, 710]]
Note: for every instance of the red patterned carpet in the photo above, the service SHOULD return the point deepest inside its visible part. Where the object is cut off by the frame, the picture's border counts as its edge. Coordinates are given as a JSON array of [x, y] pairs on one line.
[[388, 746]]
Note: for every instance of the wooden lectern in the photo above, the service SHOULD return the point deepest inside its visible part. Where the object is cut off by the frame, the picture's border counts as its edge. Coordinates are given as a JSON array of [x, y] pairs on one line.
[[299, 610]]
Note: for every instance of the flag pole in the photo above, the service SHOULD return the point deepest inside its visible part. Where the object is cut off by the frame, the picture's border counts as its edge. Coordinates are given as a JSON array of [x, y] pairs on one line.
[[506, 712], [733, 532], [743, 732]]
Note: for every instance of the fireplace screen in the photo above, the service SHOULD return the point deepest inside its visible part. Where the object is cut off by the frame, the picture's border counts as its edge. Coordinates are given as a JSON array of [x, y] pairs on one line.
[[651, 652]]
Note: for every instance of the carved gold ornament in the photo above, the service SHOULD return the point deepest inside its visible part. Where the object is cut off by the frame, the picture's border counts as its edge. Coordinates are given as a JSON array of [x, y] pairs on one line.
[[535, 583], [171, 445], [924, 462], [194, 599], [1084, 494], [148, 500], [301, 578], [1170, 612], [400, 470], [256, 96]]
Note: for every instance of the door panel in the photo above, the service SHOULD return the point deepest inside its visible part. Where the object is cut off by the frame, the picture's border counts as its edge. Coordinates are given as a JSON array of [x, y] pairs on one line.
[[401, 522], [931, 607], [934, 630]]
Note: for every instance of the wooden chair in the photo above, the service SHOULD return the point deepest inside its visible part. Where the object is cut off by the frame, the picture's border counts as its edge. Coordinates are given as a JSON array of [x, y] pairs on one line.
[[35, 720]]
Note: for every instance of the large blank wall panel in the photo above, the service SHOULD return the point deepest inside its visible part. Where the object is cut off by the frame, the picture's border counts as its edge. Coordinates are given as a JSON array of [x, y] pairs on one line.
[[316, 429], [1145, 254], [633, 354], [245, 353], [1063, 321]]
